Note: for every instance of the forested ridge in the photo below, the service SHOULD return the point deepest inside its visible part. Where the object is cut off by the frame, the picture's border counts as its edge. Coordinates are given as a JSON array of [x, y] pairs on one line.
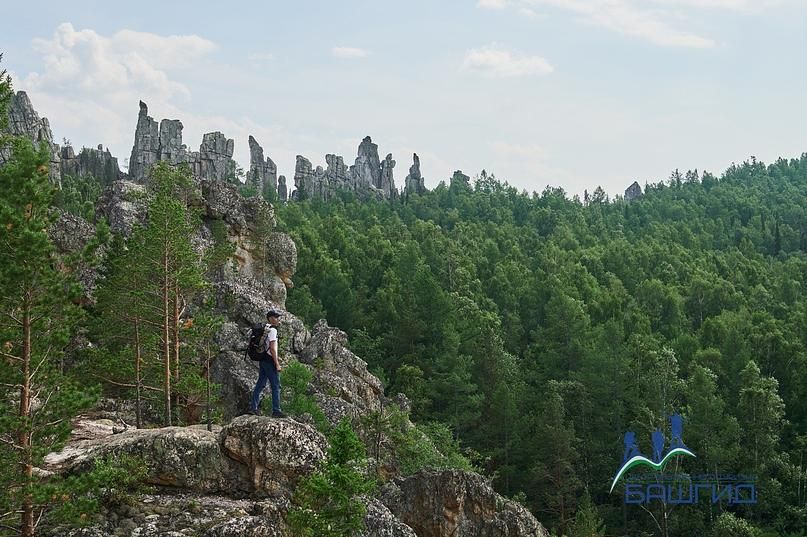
[[541, 328]]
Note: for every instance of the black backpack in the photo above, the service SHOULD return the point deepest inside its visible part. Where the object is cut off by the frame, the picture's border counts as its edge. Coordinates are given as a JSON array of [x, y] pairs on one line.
[[254, 350]]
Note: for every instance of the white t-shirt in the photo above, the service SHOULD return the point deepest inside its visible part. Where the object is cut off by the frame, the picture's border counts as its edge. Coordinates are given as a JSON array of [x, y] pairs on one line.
[[270, 335]]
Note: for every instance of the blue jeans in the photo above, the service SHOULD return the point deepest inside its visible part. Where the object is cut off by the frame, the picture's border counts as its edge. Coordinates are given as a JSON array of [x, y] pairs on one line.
[[266, 372]]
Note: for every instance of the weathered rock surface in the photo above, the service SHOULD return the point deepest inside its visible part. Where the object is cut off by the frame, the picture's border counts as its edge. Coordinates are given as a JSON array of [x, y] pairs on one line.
[[368, 177], [262, 171], [123, 204], [277, 452], [187, 458], [146, 148], [452, 502], [23, 120], [414, 182], [282, 189], [633, 191], [342, 384], [153, 143], [90, 162], [214, 161], [71, 235], [460, 179], [380, 522], [189, 515]]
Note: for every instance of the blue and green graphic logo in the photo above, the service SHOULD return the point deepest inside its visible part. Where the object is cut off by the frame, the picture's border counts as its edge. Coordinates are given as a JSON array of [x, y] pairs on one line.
[[633, 457], [677, 488]]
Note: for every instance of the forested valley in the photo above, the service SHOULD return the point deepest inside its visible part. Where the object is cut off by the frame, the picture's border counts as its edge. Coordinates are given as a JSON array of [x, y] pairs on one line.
[[541, 327]]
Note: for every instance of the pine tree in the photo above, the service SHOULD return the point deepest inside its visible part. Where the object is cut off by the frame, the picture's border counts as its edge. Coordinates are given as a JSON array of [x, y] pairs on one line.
[[36, 318], [326, 500]]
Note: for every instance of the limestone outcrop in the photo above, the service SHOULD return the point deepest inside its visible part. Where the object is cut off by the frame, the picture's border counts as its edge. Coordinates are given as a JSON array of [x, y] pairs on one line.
[[71, 235], [123, 205], [462, 504], [146, 148], [343, 387], [277, 452], [262, 170], [90, 162], [153, 143], [633, 192], [414, 182], [24, 121]]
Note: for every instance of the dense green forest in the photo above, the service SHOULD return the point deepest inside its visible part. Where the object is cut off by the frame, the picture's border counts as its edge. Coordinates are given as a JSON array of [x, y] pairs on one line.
[[541, 328]]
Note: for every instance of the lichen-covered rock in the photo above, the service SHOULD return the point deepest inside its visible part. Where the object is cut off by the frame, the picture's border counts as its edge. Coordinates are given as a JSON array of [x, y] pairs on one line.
[[187, 458], [282, 256], [380, 522], [70, 235], [453, 502], [123, 204], [248, 526], [338, 373], [278, 452]]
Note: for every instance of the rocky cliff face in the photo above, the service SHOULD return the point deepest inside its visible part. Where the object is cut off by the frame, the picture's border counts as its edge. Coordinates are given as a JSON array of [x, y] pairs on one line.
[[368, 177], [414, 183], [23, 120], [213, 161], [98, 163], [239, 479], [262, 171]]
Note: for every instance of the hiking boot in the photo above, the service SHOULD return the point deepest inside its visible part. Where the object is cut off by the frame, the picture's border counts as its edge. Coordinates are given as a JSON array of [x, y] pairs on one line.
[[254, 412], [278, 415]]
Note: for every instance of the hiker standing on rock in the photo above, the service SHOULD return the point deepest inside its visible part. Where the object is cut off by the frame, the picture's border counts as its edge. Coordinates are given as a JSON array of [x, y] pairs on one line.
[[269, 367]]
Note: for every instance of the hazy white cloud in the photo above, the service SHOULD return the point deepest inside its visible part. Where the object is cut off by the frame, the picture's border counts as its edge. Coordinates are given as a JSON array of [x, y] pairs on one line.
[[261, 57], [630, 18], [530, 13], [496, 61], [349, 52], [85, 61], [91, 84], [521, 151], [747, 6], [492, 4]]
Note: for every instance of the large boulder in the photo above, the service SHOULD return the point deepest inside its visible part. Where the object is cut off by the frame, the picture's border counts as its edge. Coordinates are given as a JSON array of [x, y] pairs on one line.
[[462, 504], [185, 458], [278, 452]]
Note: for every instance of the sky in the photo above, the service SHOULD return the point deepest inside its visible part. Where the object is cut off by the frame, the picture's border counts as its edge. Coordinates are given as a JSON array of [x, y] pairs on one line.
[[568, 93]]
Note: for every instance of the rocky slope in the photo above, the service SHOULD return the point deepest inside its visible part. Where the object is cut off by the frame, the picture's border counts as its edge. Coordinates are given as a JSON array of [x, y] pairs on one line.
[[238, 479]]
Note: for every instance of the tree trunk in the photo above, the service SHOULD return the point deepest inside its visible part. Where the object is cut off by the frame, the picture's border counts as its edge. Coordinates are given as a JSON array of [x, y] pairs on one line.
[[166, 339], [139, 380], [24, 433], [207, 377], [175, 328]]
